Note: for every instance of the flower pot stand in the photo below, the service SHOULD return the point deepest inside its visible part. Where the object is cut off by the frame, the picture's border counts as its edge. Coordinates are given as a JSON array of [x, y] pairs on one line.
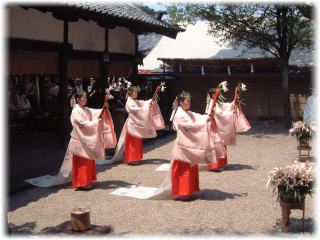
[[301, 148], [286, 211]]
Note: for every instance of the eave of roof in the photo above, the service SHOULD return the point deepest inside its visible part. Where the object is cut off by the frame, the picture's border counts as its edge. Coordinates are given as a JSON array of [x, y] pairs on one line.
[[138, 18], [210, 62]]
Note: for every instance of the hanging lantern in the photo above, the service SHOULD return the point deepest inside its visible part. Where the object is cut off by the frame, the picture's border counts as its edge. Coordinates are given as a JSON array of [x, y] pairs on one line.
[[229, 71], [180, 67], [202, 70]]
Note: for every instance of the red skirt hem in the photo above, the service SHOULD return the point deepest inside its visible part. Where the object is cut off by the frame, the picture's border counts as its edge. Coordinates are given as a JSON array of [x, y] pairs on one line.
[[83, 171], [220, 163], [185, 179], [133, 148]]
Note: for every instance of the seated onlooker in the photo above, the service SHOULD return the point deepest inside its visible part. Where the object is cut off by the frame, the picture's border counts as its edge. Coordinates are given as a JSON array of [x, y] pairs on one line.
[[90, 86], [54, 90], [21, 103]]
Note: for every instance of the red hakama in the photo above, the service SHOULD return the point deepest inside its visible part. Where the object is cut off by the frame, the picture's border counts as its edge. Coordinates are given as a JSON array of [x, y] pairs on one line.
[[185, 179], [220, 162], [133, 148], [83, 171]]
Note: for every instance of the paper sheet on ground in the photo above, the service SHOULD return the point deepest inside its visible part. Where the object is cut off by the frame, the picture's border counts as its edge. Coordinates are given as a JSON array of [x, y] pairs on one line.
[[164, 167], [135, 191], [48, 181]]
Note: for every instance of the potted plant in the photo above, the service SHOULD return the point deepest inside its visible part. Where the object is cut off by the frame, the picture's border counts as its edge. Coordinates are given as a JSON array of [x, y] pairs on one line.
[[303, 132], [293, 182]]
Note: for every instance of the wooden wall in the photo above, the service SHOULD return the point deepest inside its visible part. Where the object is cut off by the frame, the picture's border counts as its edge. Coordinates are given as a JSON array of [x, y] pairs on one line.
[[263, 98]]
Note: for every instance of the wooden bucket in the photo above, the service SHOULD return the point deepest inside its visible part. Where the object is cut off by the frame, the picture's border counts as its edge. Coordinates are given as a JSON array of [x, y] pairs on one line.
[[80, 219]]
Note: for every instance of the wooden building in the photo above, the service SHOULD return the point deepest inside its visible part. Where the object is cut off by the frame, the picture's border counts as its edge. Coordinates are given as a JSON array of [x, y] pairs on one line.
[[77, 40], [262, 76]]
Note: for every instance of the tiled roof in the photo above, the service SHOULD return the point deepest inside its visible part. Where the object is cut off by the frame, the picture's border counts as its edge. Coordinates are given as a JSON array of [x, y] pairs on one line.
[[126, 11], [137, 17]]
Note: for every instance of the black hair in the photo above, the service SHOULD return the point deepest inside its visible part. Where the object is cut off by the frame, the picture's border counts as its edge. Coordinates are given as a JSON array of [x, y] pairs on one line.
[[182, 96], [79, 94], [211, 92]]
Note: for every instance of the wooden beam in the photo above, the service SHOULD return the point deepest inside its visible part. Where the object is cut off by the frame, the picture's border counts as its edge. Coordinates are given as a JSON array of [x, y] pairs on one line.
[[65, 15], [38, 45]]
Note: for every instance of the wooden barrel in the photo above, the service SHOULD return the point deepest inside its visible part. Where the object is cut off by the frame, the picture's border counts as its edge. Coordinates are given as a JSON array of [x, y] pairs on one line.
[[80, 219]]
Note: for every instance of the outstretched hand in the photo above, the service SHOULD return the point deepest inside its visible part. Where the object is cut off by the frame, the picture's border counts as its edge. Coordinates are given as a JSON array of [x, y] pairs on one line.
[[210, 116], [105, 105], [152, 103]]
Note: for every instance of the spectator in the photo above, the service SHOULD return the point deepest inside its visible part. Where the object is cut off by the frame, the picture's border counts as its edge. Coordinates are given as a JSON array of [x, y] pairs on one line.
[[54, 90], [90, 86], [21, 103], [309, 114]]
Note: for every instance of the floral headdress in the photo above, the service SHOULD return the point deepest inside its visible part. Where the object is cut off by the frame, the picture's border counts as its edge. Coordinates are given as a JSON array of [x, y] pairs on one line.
[[81, 92], [185, 94], [134, 88], [182, 95], [78, 93]]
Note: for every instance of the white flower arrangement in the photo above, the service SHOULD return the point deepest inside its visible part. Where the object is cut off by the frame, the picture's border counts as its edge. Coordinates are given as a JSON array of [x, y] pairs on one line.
[[296, 180], [302, 131]]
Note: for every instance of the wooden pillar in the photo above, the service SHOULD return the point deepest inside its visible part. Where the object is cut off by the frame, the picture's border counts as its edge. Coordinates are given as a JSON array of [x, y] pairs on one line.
[[135, 62], [105, 60], [63, 77], [167, 98]]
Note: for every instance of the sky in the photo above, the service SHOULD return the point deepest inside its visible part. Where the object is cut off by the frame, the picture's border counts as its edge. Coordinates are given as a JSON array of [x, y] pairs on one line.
[[155, 6]]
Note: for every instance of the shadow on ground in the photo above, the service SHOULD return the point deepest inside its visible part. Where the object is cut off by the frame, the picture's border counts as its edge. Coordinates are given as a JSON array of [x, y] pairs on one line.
[[295, 226], [204, 194], [217, 195], [102, 168], [265, 129], [199, 231], [153, 144], [229, 167], [25, 228], [106, 185], [155, 161], [237, 167], [66, 229], [34, 195], [38, 193]]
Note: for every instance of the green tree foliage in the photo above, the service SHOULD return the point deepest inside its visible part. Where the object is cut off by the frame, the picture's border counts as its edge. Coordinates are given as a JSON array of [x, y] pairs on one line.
[[275, 29]]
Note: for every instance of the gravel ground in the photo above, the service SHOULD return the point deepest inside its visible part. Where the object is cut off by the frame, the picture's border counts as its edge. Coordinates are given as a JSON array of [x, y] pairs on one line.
[[232, 202]]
